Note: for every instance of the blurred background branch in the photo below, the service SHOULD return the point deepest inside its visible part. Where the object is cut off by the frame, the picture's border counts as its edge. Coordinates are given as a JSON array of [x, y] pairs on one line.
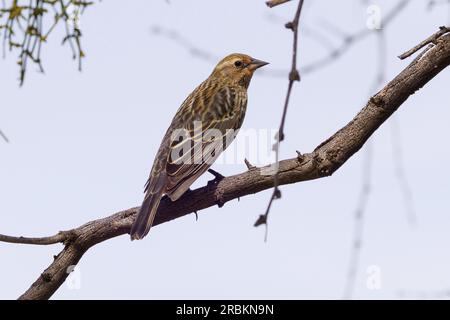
[[23, 31], [333, 53], [366, 185], [4, 137]]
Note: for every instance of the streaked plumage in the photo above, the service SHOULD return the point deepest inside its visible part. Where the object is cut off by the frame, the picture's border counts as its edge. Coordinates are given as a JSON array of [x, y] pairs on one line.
[[220, 103]]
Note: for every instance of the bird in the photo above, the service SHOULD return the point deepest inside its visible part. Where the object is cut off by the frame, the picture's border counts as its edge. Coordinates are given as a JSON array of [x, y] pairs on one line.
[[204, 125]]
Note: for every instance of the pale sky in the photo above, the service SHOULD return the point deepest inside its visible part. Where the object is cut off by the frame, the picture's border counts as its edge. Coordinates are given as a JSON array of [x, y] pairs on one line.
[[82, 145]]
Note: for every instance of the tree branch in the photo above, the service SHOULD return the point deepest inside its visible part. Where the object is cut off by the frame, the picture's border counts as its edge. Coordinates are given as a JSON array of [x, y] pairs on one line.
[[323, 161]]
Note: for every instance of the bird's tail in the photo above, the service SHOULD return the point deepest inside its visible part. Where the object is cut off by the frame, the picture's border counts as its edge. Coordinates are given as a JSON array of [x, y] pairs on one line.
[[144, 220]]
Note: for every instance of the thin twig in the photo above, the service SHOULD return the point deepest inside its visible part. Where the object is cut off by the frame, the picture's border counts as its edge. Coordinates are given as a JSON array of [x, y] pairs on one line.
[[294, 75], [4, 136], [274, 3], [432, 39], [364, 196]]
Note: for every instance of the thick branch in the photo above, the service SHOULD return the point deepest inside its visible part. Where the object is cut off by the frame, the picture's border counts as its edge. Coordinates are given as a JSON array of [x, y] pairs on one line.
[[323, 161]]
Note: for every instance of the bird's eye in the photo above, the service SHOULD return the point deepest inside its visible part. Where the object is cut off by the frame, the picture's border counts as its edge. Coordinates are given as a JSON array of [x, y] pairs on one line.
[[238, 63]]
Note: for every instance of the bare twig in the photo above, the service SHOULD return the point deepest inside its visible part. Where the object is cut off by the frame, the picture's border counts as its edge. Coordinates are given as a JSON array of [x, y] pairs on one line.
[[294, 75], [274, 3], [430, 40], [57, 238], [366, 187], [424, 295]]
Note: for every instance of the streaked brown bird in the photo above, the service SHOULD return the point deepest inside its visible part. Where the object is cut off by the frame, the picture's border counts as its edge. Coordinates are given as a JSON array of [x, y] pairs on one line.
[[202, 128]]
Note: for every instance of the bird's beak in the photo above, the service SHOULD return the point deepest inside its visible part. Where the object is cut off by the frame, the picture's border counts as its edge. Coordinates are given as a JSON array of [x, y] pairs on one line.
[[255, 64]]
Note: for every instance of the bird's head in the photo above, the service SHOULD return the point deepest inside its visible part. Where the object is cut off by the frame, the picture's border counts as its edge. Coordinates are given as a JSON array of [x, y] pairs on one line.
[[237, 68]]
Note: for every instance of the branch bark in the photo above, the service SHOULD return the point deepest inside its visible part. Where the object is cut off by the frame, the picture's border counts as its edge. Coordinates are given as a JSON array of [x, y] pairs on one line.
[[328, 157]]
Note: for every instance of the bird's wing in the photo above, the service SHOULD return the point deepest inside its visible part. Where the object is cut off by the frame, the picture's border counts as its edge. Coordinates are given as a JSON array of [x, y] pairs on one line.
[[199, 147]]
